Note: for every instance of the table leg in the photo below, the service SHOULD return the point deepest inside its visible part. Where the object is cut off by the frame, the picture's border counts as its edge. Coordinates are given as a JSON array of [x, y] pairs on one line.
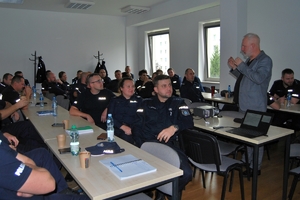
[[286, 167], [175, 192], [255, 172]]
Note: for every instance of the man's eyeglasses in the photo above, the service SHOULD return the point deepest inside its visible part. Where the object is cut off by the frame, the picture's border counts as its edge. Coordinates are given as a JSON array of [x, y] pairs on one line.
[[98, 81]]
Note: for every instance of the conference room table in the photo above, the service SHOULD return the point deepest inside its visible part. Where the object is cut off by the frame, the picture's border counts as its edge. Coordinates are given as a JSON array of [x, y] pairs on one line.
[[97, 181], [274, 133], [217, 98]]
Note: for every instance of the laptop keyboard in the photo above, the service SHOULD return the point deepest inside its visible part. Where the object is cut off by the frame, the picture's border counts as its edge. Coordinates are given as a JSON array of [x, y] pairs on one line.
[[245, 132]]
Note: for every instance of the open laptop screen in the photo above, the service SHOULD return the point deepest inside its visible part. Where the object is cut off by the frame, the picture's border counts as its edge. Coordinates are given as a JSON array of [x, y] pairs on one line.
[[252, 119]]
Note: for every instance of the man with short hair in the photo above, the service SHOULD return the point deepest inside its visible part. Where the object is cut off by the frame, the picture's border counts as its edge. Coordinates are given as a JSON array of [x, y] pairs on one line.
[[128, 73], [176, 79], [79, 87], [54, 85], [114, 84], [161, 119], [106, 79], [191, 89], [253, 77], [76, 79], [279, 91], [63, 78], [144, 86], [92, 104], [17, 89], [21, 74], [6, 81]]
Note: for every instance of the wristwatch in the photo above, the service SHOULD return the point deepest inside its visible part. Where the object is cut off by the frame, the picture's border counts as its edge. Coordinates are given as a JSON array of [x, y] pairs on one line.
[[176, 126]]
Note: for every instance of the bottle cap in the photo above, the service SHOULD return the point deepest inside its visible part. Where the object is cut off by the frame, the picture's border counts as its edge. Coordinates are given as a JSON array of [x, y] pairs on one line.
[[109, 115], [73, 127]]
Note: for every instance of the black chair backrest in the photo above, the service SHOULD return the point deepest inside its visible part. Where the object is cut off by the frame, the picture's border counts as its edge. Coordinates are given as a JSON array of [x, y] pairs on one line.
[[201, 147]]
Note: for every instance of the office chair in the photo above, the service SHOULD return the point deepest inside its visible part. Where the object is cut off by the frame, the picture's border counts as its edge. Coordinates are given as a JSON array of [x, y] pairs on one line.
[[165, 153], [61, 101], [296, 173], [203, 152]]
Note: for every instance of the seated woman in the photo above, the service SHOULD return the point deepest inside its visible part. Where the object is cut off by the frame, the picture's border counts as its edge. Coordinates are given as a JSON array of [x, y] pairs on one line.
[[123, 109]]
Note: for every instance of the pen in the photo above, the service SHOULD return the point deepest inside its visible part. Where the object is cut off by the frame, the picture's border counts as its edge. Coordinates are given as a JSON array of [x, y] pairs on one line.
[[113, 164]]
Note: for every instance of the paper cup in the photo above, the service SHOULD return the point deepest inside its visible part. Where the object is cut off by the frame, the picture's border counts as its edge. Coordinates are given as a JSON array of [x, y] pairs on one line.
[[84, 158], [61, 140], [66, 124]]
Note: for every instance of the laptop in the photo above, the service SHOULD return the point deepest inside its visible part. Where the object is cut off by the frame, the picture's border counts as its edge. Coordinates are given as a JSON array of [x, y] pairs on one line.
[[254, 124]]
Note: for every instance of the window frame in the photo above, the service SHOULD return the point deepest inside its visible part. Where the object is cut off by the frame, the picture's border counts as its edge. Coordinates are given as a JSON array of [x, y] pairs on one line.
[[206, 26], [150, 35]]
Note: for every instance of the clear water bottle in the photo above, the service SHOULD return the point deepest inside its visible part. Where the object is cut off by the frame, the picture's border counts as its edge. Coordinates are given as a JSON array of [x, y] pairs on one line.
[[110, 128], [34, 92], [42, 100], [54, 106], [74, 144], [288, 99], [229, 91]]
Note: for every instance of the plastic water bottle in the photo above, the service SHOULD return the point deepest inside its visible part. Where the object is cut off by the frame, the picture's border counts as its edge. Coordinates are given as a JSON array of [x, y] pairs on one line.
[[34, 92], [74, 144], [110, 128], [54, 106], [42, 100], [288, 99], [229, 91]]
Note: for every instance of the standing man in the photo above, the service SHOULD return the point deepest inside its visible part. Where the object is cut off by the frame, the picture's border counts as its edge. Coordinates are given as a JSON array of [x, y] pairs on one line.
[[7, 77], [191, 89], [175, 79], [253, 78], [160, 119], [92, 103]]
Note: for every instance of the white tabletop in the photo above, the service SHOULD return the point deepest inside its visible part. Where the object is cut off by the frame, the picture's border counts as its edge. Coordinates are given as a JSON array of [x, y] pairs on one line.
[[217, 98], [273, 133], [98, 182]]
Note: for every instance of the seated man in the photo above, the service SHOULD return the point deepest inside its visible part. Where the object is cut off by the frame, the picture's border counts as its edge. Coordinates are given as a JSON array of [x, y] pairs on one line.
[[33, 175], [92, 104], [79, 87], [63, 78], [114, 84], [6, 81], [17, 88], [176, 79], [191, 89], [279, 91], [105, 78], [23, 130], [19, 73], [54, 86], [128, 73], [144, 86], [76, 79], [160, 119]]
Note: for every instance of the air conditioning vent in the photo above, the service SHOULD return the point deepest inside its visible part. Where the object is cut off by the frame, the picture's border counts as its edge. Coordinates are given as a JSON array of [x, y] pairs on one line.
[[76, 4], [135, 9]]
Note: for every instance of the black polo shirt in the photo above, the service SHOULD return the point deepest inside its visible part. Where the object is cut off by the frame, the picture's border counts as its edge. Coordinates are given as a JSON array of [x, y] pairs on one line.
[[10, 95]]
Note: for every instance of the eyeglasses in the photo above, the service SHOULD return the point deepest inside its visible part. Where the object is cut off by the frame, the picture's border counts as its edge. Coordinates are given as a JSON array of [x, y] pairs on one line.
[[98, 81]]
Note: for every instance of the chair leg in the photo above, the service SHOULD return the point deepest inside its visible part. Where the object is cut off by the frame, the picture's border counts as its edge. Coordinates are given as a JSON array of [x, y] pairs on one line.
[[231, 180], [292, 163], [293, 187], [224, 185], [194, 173], [242, 183], [203, 178], [268, 153]]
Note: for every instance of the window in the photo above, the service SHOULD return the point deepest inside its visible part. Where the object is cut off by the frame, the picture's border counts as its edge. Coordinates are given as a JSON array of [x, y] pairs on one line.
[[212, 51], [159, 43]]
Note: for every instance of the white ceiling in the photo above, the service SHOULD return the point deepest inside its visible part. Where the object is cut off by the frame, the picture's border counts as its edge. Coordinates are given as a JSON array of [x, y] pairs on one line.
[[101, 7]]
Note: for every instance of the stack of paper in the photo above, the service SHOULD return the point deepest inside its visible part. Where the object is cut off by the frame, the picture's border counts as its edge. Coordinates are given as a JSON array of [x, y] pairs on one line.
[[127, 166]]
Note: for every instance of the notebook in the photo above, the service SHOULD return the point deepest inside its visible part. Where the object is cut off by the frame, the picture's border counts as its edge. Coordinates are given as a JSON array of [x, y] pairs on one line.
[[127, 166], [254, 124], [82, 130]]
